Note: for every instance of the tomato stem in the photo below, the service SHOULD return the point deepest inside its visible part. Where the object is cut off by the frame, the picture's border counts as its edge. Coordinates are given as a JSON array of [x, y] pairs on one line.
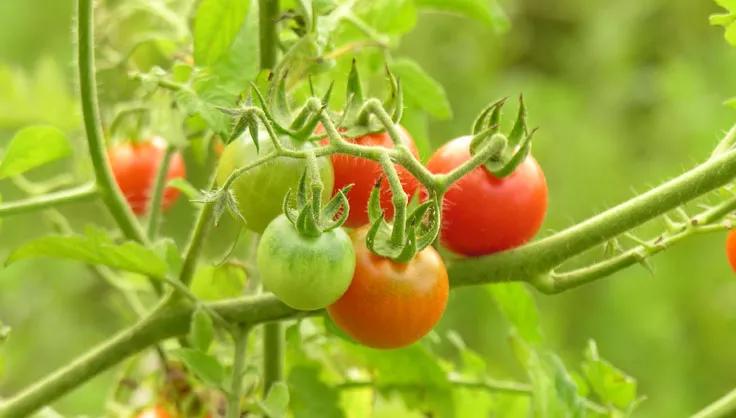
[[236, 386], [34, 203], [157, 193]]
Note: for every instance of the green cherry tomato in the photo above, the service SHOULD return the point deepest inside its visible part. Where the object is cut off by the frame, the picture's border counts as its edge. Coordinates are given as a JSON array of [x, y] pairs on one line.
[[306, 273], [261, 190]]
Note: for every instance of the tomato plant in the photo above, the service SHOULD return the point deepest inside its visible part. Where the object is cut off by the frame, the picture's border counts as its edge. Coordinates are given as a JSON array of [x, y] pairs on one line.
[[135, 165], [363, 175], [390, 304], [261, 76], [306, 273], [483, 214], [260, 192]]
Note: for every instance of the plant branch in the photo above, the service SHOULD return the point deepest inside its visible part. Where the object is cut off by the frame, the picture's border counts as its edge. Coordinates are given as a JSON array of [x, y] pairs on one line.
[[109, 190], [532, 262], [236, 385], [157, 195], [268, 14], [722, 408], [34, 203]]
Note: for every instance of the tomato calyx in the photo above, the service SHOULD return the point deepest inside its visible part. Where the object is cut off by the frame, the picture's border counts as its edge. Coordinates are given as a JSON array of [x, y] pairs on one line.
[[401, 241], [305, 210], [517, 144]]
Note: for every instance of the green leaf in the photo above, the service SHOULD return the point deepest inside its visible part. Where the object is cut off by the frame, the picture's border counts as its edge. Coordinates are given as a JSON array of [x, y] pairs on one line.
[[730, 34], [202, 331], [276, 403], [727, 4], [167, 250], [517, 305], [33, 147], [185, 187], [421, 89], [205, 106], [94, 248], [609, 383], [218, 282], [216, 24], [310, 396], [207, 368], [731, 102], [486, 11]]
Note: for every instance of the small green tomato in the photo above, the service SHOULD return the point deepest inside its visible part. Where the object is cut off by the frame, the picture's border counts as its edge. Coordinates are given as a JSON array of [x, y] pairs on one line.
[[306, 273]]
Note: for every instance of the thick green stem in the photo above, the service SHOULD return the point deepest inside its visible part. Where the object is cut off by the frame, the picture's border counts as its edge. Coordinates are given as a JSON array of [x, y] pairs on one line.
[[108, 188], [76, 194], [273, 354], [157, 195], [167, 321], [533, 261], [268, 15], [236, 385]]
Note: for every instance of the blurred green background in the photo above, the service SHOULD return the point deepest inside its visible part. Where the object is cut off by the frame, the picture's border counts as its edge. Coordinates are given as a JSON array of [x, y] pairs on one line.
[[627, 94]]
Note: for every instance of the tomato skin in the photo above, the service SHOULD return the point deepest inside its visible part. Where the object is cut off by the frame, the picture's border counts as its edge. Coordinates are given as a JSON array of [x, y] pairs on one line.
[[731, 248], [389, 304], [363, 174], [306, 273], [482, 214], [260, 191], [135, 165], [155, 412]]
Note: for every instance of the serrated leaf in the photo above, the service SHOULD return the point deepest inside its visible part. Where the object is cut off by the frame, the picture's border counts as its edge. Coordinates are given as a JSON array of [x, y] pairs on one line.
[[202, 331], [216, 24], [609, 383], [207, 368], [218, 282], [486, 11], [94, 249], [276, 403], [421, 89], [33, 147]]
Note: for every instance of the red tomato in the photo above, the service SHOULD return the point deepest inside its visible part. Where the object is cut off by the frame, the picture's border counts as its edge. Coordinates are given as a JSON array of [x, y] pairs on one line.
[[135, 165], [388, 304], [482, 214], [731, 248], [155, 412], [363, 174]]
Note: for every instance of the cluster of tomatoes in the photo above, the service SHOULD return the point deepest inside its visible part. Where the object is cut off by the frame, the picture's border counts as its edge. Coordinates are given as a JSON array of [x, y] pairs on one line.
[[377, 301]]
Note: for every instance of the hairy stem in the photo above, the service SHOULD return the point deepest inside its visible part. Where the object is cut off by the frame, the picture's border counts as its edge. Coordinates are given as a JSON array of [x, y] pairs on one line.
[[108, 189], [273, 355], [268, 11], [236, 385], [34, 203], [533, 261]]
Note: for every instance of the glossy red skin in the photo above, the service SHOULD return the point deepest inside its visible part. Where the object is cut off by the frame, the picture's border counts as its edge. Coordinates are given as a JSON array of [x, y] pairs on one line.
[[363, 174], [155, 412], [482, 214], [135, 165], [731, 249], [391, 305]]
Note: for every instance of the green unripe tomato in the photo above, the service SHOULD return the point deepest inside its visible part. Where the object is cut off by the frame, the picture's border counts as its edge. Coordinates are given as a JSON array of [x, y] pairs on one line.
[[306, 273], [261, 190]]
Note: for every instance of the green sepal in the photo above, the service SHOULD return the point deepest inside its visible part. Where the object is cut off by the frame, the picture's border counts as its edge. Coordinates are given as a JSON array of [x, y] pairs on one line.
[[517, 158], [419, 234], [278, 127], [355, 98], [394, 104], [519, 129], [489, 117], [304, 208], [277, 97]]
